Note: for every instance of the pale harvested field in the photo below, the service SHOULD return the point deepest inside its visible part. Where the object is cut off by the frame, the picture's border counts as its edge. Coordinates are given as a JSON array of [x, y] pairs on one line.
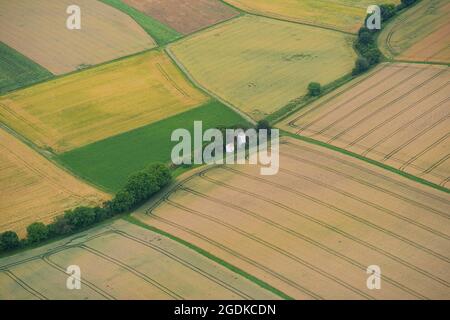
[[345, 15], [312, 230], [88, 106], [185, 16], [420, 34], [34, 189], [37, 29], [398, 115], [259, 64], [122, 261]]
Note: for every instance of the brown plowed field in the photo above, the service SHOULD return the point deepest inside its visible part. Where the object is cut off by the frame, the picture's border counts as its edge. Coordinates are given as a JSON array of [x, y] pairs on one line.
[[313, 229], [37, 29], [34, 189], [122, 261], [398, 115], [185, 16]]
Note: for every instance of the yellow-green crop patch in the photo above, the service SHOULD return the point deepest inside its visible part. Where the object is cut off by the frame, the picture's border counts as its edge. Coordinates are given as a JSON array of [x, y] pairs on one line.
[[261, 64], [92, 105]]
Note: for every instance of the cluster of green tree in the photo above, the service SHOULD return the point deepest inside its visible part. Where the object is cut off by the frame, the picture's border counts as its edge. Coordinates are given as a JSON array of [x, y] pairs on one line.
[[138, 189], [366, 42], [314, 89]]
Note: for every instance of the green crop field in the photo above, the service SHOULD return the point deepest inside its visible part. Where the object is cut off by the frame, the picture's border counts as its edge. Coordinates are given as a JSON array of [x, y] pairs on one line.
[[17, 70], [157, 30], [260, 64], [109, 162]]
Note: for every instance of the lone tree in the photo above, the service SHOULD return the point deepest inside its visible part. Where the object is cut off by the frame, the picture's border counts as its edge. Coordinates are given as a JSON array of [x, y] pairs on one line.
[[314, 89]]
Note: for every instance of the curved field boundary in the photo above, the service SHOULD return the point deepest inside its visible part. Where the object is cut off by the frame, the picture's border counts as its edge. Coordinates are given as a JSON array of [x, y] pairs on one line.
[[132, 270], [24, 285], [187, 264], [46, 259], [417, 11]]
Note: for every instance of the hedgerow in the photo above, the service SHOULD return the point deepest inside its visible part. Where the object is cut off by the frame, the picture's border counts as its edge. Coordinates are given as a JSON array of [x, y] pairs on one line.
[[139, 188]]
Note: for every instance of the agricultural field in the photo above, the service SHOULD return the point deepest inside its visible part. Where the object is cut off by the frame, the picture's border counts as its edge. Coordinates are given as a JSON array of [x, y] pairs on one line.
[[311, 230], [34, 189], [42, 35], [259, 64], [107, 100], [109, 162], [17, 70], [399, 115], [122, 261], [162, 33], [420, 34], [344, 15], [185, 16]]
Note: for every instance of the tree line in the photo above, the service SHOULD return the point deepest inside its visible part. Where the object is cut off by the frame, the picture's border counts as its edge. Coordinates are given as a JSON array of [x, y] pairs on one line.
[[138, 189], [366, 42]]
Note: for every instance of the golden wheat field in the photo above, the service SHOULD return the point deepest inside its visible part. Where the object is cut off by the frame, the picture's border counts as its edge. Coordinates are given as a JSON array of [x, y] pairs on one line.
[[37, 29], [122, 261], [399, 114], [344, 15], [34, 189], [259, 64], [97, 103], [312, 229]]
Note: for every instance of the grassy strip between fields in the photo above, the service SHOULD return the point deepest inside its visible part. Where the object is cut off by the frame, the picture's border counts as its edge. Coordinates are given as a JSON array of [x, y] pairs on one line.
[[157, 30], [210, 256], [17, 71], [301, 102], [371, 161]]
